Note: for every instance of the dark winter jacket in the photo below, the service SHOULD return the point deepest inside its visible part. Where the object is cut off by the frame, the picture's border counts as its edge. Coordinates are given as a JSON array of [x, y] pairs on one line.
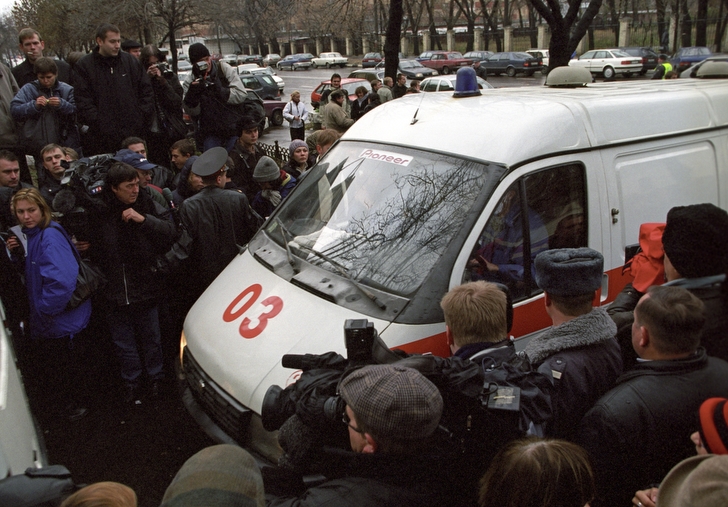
[[24, 72], [215, 223], [640, 429], [114, 98], [167, 100], [584, 359], [126, 251], [51, 270], [710, 290], [242, 173], [373, 480], [215, 101]]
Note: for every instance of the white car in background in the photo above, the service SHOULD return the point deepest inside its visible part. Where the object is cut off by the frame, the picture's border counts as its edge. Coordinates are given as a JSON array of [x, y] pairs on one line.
[[332, 59], [608, 62], [447, 84]]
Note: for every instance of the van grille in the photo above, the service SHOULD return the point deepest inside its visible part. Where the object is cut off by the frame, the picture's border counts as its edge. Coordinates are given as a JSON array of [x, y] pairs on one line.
[[232, 417]]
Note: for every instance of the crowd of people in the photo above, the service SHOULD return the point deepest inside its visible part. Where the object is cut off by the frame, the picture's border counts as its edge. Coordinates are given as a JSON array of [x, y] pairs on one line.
[[596, 410]]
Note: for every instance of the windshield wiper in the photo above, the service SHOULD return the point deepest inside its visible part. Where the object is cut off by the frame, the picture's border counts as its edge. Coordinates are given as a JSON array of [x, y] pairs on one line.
[[287, 234], [341, 269]]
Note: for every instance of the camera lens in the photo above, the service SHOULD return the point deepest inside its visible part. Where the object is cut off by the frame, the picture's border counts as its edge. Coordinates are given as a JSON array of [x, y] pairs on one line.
[[277, 408]]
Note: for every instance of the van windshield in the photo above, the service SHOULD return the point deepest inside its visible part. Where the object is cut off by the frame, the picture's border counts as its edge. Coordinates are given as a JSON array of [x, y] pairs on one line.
[[384, 214]]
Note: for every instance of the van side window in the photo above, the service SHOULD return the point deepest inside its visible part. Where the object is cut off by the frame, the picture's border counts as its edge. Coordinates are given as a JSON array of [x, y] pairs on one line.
[[555, 200]]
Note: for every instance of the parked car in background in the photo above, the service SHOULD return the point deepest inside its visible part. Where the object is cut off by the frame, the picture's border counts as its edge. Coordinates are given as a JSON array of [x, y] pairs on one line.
[[511, 63], [608, 62], [685, 57], [184, 66], [294, 62], [263, 84], [543, 54], [412, 69], [371, 60], [252, 68], [271, 59], [368, 74], [328, 60], [649, 57], [447, 83], [477, 55], [183, 75], [231, 60], [258, 59], [348, 84], [445, 62], [273, 108], [692, 71]]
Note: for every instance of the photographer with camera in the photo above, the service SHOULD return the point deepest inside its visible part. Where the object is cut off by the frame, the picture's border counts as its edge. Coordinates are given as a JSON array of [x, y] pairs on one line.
[[211, 93], [168, 126]]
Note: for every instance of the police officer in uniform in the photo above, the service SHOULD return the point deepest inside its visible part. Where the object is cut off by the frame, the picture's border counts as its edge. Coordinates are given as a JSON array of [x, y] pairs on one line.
[[215, 222], [663, 67]]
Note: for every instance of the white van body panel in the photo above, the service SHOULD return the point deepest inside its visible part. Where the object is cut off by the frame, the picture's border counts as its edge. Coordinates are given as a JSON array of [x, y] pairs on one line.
[[21, 446], [644, 147]]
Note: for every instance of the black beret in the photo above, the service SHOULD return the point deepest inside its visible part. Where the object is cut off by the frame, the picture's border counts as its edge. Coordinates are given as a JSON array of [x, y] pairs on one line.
[[569, 271], [696, 240]]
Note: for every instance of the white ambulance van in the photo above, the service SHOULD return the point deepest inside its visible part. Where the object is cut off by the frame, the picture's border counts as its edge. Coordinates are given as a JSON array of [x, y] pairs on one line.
[[429, 191]]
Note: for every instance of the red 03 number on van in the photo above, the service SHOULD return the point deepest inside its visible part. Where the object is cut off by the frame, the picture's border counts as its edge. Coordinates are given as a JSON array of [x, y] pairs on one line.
[[252, 294]]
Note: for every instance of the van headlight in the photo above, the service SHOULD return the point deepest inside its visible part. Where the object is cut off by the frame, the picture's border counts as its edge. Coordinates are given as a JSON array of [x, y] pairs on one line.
[[182, 345]]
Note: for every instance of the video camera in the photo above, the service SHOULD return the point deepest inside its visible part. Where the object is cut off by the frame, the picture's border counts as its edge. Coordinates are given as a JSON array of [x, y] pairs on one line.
[[314, 395]]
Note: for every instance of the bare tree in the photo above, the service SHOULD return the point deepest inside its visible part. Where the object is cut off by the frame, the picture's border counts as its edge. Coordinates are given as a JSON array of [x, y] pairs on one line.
[[566, 29], [394, 33], [174, 15]]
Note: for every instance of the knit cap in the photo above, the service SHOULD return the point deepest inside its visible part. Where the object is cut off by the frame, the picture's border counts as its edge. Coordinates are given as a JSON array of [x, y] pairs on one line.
[[569, 272], [393, 401], [197, 52], [696, 240], [266, 170], [295, 144], [217, 476], [714, 425]]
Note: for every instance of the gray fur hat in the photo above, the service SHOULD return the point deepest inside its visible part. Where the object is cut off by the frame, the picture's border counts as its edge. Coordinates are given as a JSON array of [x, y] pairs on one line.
[[569, 271], [393, 401], [698, 480], [266, 170]]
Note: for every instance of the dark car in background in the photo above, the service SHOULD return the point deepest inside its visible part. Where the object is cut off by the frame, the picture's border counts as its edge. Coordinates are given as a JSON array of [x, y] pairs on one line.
[[685, 57], [412, 69], [371, 60], [512, 63], [477, 55], [257, 59], [273, 108], [263, 84], [649, 57], [295, 62]]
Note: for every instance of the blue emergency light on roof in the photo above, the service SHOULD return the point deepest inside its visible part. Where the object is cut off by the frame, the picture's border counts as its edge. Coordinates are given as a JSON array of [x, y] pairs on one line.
[[466, 84]]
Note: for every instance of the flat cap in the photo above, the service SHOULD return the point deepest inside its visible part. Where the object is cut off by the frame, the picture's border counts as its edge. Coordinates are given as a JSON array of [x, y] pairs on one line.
[[569, 271], [210, 162], [696, 240], [393, 401], [130, 44]]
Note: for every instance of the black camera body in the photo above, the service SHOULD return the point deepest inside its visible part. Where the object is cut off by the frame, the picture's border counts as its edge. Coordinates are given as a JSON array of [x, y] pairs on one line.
[[359, 339], [162, 67]]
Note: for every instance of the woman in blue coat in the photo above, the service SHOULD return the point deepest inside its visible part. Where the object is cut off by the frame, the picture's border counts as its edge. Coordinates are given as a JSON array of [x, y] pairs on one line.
[[51, 270]]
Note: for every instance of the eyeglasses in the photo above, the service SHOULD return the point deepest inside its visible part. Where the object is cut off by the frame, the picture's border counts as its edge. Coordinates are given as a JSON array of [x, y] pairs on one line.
[[345, 419]]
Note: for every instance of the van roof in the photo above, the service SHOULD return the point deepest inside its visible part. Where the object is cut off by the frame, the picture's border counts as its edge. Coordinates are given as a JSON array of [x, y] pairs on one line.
[[514, 125]]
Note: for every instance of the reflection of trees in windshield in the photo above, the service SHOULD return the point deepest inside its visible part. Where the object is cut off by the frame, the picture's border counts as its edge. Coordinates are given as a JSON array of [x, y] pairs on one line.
[[395, 241]]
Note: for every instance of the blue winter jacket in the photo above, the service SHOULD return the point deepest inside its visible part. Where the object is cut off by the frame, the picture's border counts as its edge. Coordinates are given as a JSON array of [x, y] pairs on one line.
[[51, 270]]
